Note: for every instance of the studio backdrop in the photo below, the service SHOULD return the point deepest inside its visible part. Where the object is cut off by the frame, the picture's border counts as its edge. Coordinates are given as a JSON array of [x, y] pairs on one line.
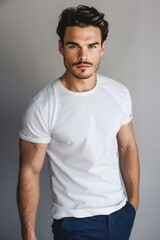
[[29, 60]]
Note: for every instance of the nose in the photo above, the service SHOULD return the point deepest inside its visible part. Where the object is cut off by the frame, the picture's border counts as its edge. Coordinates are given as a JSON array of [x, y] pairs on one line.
[[83, 55]]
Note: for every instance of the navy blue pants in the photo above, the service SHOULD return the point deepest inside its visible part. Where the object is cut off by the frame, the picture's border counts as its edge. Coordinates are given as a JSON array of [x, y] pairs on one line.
[[116, 226]]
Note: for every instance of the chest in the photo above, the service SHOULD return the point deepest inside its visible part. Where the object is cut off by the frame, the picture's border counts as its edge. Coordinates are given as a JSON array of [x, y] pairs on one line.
[[87, 119]]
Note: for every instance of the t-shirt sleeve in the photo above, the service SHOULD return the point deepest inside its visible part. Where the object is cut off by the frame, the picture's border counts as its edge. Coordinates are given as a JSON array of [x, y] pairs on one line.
[[128, 115], [34, 125]]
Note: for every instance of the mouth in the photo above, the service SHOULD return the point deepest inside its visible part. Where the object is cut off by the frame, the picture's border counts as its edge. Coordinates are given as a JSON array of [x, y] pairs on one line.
[[83, 65]]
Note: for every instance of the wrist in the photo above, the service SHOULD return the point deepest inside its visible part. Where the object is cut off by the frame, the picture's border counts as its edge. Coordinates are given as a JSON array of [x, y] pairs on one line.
[[134, 203], [29, 235]]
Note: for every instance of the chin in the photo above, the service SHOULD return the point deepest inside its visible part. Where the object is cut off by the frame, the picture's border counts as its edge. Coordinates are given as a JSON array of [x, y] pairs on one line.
[[85, 76]]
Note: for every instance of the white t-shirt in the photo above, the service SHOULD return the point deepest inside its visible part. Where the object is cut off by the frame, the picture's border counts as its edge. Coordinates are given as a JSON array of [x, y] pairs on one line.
[[81, 129]]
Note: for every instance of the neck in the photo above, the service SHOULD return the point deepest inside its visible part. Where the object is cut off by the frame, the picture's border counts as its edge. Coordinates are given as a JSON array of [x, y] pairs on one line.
[[78, 85]]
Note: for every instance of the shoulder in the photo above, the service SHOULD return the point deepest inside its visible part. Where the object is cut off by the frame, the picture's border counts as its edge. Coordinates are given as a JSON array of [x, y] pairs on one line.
[[41, 109], [113, 87], [42, 104], [111, 84], [44, 97]]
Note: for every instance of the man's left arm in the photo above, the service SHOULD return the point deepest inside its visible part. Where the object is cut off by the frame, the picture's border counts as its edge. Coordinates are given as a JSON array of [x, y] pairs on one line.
[[129, 163]]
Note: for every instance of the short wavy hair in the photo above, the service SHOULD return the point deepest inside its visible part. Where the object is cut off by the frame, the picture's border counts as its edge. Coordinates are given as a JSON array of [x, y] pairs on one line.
[[82, 16]]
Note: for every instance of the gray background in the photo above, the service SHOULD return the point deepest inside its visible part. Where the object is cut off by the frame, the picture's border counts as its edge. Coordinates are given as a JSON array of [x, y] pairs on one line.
[[30, 60]]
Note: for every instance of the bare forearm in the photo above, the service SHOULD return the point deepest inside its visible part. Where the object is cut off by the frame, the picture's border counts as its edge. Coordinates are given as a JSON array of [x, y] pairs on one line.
[[130, 170], [28, 198]]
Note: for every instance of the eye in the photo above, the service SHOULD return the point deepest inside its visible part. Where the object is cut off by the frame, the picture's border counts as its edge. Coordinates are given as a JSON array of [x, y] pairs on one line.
[[92, 46], [72, 46]]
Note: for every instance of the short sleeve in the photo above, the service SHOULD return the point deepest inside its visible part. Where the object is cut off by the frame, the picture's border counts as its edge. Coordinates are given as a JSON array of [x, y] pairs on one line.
[[128, 115], [34, 125]]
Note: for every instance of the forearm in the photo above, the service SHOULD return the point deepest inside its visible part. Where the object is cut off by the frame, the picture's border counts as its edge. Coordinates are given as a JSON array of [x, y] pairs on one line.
[[130, 170], [28, 198]]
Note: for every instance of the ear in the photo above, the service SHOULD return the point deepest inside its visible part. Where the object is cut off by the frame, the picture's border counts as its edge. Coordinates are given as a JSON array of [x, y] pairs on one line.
[[102, 49], [60, 47]]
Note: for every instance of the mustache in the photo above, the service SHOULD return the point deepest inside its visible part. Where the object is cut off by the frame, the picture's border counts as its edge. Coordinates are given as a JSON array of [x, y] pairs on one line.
[[82, 62]]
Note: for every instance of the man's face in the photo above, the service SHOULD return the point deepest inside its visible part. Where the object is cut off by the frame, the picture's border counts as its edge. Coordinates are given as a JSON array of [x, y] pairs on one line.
[[81, 51]]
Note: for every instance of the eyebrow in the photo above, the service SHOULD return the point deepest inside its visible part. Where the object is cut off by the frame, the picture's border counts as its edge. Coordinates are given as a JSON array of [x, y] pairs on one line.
[[70, 42], [77, 44], [95, 43]]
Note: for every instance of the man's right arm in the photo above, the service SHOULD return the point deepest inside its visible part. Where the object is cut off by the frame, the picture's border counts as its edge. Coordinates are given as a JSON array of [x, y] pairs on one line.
[[32, 156]]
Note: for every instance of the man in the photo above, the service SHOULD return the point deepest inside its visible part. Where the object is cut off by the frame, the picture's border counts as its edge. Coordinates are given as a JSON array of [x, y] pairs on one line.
[[82, 121]]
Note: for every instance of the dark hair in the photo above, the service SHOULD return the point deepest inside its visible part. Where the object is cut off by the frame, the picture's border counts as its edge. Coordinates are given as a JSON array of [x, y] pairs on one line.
[[82, 16]]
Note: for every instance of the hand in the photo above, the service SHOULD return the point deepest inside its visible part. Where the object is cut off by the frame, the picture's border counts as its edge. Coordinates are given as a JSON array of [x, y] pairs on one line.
[[134, 203]]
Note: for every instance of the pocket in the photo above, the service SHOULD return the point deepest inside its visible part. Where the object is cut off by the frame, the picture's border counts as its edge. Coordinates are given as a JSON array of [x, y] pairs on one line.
[[56, 225], [121, 222], [130, 213], [131, 207]]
